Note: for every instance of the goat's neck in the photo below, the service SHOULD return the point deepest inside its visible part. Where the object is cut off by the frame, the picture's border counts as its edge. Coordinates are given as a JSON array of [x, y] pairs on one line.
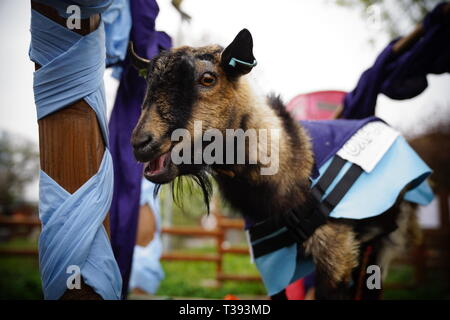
[[258, 196]]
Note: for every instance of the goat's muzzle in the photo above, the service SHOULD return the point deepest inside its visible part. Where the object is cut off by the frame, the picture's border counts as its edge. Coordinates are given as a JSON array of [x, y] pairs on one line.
[[143, 147]]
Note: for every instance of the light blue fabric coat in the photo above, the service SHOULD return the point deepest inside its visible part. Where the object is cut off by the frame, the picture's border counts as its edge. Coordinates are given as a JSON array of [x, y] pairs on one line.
[[372, 194]]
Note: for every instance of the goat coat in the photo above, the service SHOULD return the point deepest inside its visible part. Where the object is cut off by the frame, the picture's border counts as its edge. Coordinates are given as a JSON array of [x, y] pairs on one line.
[[387, 165]]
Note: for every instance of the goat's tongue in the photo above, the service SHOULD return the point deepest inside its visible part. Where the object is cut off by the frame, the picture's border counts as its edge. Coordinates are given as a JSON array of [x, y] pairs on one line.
[[157, 165]]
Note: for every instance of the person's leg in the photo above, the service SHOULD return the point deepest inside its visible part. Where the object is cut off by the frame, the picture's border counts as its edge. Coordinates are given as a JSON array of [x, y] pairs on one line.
[[145, 233], [146, 226]]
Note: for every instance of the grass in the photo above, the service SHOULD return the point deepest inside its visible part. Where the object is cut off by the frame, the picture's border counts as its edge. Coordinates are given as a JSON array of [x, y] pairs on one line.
[[436, 287], [19, 276], [188, 279], [19, 279]]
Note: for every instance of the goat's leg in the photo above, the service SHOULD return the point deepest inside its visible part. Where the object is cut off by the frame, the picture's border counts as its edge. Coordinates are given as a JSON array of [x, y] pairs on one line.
[[335, 251], [407, 234], [360, 289], [385, 248], [326, 291]]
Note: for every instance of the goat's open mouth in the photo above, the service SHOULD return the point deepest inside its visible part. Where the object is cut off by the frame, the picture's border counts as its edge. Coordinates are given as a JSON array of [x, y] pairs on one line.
[[157, 166]]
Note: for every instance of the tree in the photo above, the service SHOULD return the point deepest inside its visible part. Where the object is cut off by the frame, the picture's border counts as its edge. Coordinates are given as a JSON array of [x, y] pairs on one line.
[[18, 167], [395, 17]]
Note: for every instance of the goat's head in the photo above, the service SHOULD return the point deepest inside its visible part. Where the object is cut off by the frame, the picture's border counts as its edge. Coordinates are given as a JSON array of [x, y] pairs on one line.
[[185, 85]]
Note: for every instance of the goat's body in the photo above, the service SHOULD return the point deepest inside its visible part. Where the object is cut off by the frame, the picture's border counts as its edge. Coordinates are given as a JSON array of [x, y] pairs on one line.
[[337, 248], [205, 84]]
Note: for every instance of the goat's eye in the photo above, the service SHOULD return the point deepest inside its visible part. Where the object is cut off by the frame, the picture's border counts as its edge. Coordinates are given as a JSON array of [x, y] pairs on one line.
[[207, 79]]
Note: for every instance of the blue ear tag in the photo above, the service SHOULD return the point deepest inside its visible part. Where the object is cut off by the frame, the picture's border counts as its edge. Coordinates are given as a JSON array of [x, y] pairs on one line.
[[234, 60]]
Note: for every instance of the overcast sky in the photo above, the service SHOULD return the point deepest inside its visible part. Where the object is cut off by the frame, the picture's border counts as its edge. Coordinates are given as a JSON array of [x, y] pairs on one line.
[[301, 46]]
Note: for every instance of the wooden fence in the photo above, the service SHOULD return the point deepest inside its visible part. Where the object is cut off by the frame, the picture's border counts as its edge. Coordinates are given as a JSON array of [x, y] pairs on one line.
[[433, 253], [223, 225]]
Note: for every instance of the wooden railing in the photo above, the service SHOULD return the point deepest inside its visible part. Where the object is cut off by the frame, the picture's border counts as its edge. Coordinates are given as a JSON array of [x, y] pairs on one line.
[[433, 253], [223, 225]]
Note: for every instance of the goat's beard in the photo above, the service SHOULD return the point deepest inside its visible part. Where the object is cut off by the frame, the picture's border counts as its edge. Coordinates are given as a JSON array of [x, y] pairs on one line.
[[176, 174], [196, 173]]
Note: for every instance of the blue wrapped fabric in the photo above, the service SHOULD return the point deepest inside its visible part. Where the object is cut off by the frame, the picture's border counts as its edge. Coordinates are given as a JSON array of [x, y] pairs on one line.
[[376, 191], [72, 234], [403, 76], [117, 20]]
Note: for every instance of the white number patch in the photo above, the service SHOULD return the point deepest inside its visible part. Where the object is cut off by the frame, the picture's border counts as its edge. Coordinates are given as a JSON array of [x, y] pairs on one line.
[[368, 145]]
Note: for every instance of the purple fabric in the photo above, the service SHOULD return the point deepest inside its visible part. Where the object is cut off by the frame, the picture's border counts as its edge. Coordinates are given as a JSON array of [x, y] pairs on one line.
[[127, 172], [403, 76], [328, 136]]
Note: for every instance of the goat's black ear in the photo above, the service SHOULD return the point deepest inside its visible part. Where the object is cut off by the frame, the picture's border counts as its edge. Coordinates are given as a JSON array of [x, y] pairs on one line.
[[141, 64], [237, 59]]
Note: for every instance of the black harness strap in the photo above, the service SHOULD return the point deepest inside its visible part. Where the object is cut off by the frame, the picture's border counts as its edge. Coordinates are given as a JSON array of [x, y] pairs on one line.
[[339, 191], [302, 222], [274, 243], [269, 226], [262, 229], [327, 178]]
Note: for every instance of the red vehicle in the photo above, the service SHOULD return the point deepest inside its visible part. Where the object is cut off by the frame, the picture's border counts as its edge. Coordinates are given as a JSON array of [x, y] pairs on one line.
[[319, 105]]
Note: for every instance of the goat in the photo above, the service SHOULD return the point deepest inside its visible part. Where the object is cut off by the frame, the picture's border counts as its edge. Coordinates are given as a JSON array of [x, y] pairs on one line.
[[208, 84]]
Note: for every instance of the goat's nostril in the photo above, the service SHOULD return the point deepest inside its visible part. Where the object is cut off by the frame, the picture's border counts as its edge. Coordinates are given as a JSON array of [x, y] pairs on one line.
[[141, 141]]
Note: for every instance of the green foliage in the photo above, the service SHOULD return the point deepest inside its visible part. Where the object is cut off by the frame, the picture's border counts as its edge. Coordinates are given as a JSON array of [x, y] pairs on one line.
[[434, 288], [19, 279], [396, 17], [188, 207], [18, 166]]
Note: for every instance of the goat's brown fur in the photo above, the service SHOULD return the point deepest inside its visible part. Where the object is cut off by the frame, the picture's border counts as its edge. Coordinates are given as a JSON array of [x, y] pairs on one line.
[[335, 250], [232, 104]]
